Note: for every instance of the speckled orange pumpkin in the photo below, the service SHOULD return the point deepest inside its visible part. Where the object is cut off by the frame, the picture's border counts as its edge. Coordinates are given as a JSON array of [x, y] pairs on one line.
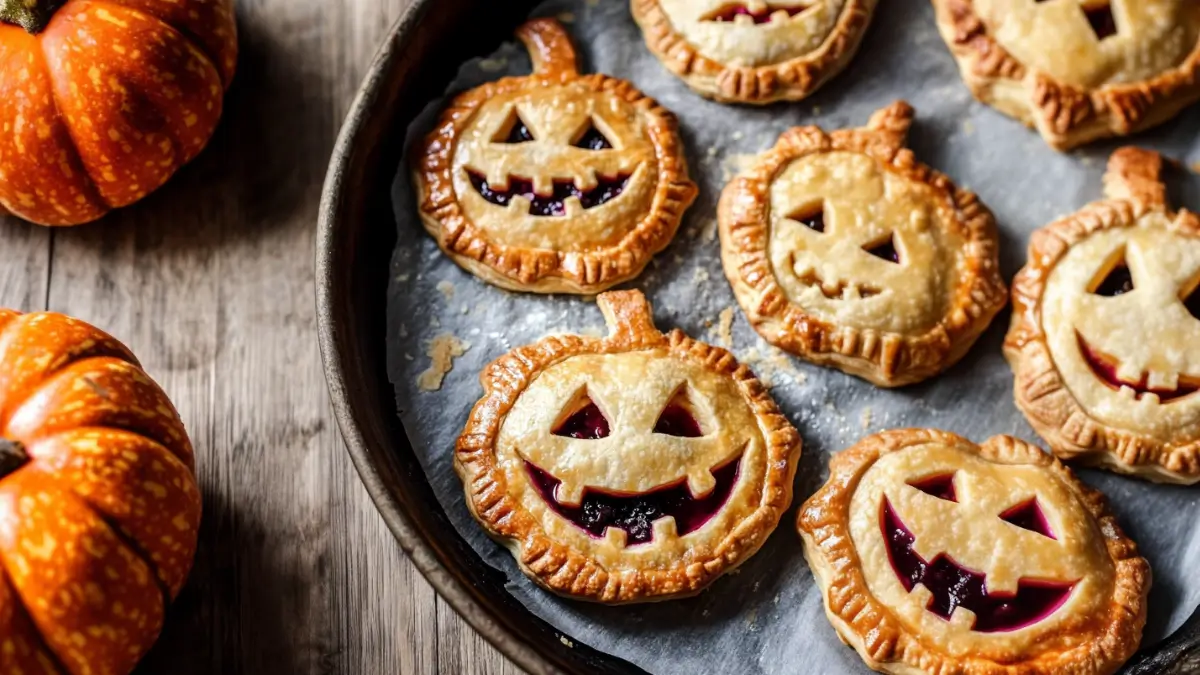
[[99, 507], [101, 101]]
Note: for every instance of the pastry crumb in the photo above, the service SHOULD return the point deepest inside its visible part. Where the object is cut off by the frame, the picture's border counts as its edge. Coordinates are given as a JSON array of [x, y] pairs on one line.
[[816, 110], [866, 418], [446, 288], [442, 351], [493, 65], [566, 641], [434, 322], [967, 127], [709, 230], [700, 276], [725, 328], [403, 332]]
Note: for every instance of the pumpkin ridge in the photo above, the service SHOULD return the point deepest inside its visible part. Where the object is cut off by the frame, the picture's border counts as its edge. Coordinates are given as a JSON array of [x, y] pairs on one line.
[[64, 120], [42, 463], [18, 607], [191, 36]]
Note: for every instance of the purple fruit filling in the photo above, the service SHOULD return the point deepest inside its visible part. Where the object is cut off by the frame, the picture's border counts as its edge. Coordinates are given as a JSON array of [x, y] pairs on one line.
[[636, 513], [940, 486], [952, 585], [1029, 516], [554, 204], [586, 423], [677, 421]]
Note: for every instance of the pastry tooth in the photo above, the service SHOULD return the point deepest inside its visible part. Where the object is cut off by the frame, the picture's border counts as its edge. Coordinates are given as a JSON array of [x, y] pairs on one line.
[[616, 537], [1150, 398], [1126, 392], [586, 179], [568, 494], [543, 186], [701, 483], [962, 618], [1161, 380], [665, 529], [851, 292], [779, 16], [1129, 372], [743, 20], [921, 595], [573, 206], [519, 204], [497, 179]]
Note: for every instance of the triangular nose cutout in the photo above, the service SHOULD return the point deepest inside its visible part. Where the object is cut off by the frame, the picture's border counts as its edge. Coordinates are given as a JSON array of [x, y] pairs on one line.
[[1117, 280], [586, 422], [678, 417], [1028, 515], [885, 249], [518, 131], [593, 139]]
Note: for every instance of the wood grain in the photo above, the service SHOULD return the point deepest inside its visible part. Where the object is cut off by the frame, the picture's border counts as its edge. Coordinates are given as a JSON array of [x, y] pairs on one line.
[[210, 281]]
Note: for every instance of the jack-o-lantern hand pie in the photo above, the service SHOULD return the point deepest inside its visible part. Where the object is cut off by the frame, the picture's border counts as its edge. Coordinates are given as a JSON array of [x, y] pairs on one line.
[[1105, 337], [753, 51], [844, 250], [1077, 70], [937, 555], [634, 467], [554, 182]]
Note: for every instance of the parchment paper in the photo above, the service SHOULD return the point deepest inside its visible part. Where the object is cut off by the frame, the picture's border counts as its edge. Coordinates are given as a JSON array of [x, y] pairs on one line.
[[767, 618]]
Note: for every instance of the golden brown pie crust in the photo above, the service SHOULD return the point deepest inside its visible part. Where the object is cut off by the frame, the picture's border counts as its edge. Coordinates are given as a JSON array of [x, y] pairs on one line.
[[1084, 645], [1066, 116], [585, 251], [885, 358], [561, 557], [790, 80], [1136, 199]]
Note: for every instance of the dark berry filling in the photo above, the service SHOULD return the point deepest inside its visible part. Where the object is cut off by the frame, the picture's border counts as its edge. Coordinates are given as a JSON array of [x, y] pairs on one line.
[[587, 423], [675, 420], [1117, 282], [607, 188], [952, 585], [940, 486], [519, 133], [732, 11], [1029, 515], [636, 514], [592, 139], [1105, 368], [1102, 21], [886, 250]]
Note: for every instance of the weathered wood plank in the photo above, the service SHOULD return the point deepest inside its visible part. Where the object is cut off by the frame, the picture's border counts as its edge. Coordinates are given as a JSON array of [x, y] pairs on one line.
[[24, 264], [210, 281]]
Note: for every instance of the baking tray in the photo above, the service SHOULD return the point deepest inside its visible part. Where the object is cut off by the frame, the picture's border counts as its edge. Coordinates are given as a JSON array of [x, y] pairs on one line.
[[356, 238]]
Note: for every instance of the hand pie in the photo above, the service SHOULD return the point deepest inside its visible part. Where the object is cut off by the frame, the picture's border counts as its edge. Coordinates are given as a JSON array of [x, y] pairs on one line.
[[936, 555], [638, 466], [844, 250], [1077, 70], [1105, 337], [751, 51], [554, 182]]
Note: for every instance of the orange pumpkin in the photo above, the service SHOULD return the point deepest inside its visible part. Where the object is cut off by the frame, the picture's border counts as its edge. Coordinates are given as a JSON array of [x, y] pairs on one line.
[[101, 101], [99, 507]]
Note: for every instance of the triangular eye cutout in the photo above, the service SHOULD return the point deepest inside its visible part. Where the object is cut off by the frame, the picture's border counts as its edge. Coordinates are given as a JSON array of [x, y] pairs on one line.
[[1101, 19], [677, 419], [885, 250], [940, 486], [1117, 281], [518, 132], [1028, 515], [812, 217], [592, 139], [587, 422]]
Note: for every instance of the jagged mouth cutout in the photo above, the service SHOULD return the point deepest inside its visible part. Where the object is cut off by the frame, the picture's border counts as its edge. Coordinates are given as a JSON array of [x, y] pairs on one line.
[[812, 216], [1114, 279], [635, 514], [731, 13], [591, 137], [952, 586]]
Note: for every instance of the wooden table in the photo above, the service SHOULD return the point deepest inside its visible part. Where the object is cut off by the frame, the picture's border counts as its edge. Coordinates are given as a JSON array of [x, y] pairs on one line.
[[210, 281]]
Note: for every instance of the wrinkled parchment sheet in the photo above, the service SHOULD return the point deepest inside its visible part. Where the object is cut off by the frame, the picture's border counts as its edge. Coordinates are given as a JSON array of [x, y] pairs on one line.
[[767, 617]]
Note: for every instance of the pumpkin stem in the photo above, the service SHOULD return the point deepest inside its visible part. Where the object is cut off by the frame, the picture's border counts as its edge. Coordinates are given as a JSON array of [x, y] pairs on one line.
[[32, 15], [12, 456], [549, 47]]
